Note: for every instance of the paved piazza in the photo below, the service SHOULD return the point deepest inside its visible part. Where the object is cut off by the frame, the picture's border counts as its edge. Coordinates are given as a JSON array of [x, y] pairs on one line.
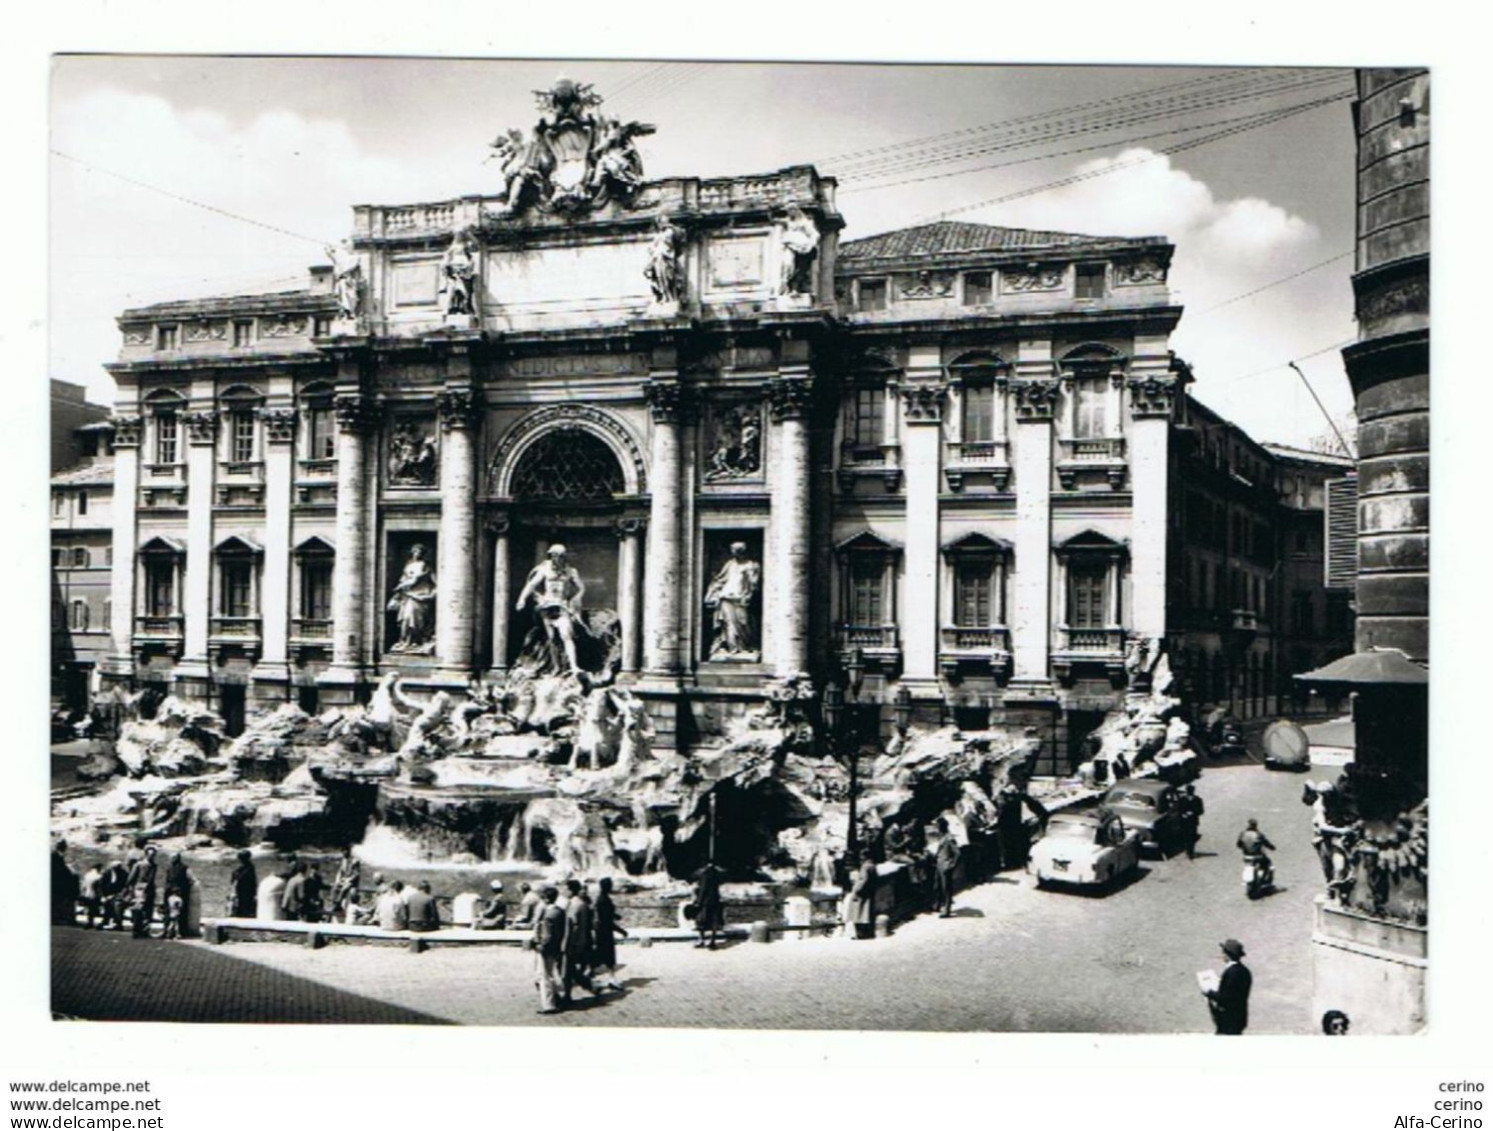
[[1014, 959]]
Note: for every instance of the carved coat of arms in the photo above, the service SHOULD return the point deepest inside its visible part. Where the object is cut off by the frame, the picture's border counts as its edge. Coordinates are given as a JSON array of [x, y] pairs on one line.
[[577, 159]]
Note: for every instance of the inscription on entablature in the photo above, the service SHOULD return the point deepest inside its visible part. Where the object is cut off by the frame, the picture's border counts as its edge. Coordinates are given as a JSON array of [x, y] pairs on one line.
[[583, 365], [736, 261]]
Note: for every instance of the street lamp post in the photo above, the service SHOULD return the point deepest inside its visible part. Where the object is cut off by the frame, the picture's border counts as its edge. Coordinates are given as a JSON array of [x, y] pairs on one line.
[[855, 672]]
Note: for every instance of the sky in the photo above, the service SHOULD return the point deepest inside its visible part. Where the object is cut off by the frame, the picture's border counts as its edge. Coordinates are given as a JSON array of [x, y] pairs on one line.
[[289, 145]]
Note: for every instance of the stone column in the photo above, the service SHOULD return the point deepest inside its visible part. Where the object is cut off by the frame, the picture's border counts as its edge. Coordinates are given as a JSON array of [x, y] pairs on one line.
[[922, 395], [630, 590], [500, 589], [456, 592], [1036, 392], [662, 605], [355, 418], [121, 661], [273, 668], [788, 635], [1153, 392], [192, 674]]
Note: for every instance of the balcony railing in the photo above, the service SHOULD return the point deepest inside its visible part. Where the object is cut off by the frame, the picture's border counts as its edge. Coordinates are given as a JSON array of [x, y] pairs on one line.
[[1110, 449], [979, 453], [319, 468], [858, 460], [1244, 620], [982, 639], [249, 469], [311, 628], [158, 628], [1093, 640], [871, 637], [235, 628]]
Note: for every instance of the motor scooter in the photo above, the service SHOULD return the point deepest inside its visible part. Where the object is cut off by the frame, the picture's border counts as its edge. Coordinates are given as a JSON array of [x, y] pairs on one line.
[[1258, 876]]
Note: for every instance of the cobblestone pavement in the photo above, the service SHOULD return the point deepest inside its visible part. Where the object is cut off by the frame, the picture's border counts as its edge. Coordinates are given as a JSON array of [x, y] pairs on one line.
[[1013, 959]]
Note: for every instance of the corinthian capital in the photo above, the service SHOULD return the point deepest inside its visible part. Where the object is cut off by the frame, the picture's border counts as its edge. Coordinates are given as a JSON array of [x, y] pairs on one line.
[[458, 408], [790, 397]]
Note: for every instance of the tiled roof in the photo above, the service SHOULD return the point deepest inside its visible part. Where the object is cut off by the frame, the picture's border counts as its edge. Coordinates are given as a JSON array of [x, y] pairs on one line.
[[94, 471], [953, 236]]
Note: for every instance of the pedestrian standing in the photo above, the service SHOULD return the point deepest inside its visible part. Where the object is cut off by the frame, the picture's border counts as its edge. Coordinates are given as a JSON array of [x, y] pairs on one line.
[[608, 929], [293, 898], [312, 895], [1229, 1002], [548, 945], [113, 895], [1190, 807], [945, 863], [142, 887], [88, 893], [861, 908], [710, 911], [580, 939], [345, 883], [244, 887], [64, 888]]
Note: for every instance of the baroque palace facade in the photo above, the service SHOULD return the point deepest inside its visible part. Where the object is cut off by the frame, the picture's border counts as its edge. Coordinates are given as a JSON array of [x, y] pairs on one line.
[[951, 447]]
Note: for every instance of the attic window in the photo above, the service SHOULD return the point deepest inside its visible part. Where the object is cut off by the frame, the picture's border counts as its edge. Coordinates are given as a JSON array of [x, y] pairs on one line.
[[978, 288], [1089, 281], [872, 294]]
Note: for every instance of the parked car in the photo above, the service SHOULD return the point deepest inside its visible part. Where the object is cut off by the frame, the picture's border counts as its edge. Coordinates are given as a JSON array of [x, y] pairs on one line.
[[1149, 807], [1084, 848]]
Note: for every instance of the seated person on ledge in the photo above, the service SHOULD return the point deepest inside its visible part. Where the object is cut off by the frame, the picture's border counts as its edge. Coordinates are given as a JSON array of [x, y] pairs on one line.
[[493, 913]]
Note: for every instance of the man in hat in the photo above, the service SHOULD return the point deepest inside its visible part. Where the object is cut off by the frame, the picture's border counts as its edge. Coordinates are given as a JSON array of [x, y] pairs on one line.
[[1229, 1002], [548, 945], [142, 886], [1190, 809]]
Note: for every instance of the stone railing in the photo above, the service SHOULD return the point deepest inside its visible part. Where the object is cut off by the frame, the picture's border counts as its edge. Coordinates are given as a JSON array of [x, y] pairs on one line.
[[857, 460], [989, 457], [250, 469], [311, 628], [419, 218], [983, 639], [1110, 449], [235, 628], [879, 638], [1095, 640]]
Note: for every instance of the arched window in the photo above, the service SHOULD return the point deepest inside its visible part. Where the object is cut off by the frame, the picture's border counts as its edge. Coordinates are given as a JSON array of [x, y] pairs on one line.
[[569, 465]]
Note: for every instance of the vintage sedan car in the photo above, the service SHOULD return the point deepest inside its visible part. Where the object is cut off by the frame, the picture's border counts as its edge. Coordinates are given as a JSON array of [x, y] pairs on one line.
[[1149, 807], [1083, 848]]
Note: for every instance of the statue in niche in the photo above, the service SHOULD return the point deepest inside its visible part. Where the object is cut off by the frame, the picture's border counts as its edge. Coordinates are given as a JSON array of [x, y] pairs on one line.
[[459, 276], [556, 589], [412, 457], [800, 249], [738, 445], [663, 269], [347, 282], [729, 599], [413, 601]]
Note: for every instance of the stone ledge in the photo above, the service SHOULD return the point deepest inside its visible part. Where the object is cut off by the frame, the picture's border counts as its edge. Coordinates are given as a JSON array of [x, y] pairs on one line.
[[273, 930]]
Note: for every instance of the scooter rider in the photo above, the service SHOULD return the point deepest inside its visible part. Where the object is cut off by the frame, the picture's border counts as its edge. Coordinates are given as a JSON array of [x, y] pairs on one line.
[[1253, 843]]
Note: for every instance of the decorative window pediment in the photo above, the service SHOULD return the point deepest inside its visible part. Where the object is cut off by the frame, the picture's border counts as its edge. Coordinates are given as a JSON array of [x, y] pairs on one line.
[[236, 545], [975, 544], [161, 545], [867, 541], [314, 546], [1092, 541]]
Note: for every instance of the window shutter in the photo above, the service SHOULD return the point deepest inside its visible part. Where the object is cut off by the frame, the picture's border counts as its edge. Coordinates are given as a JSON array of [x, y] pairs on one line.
[[1342, 532]]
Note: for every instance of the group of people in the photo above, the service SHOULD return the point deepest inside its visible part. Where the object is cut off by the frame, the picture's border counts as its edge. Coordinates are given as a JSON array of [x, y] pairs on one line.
[[575, 944], [133, 890]]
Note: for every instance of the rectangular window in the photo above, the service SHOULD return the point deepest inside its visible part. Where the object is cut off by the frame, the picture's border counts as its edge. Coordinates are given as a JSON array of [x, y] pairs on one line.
[[82, 502], [1088, 590], [1089, 281], [166, 337], [160, 587], [57, 558], [166, 432], [316, 589], [1090, 401], [59, 503], [975, 597], [80, 558], [978, 288], [243, 334], [867, 582], [321, 326], [867, 416], [237, 589], [80, 616], [321, 435], [872, 294], [243, 436], [979, 413], [108, 555], [108, 620]]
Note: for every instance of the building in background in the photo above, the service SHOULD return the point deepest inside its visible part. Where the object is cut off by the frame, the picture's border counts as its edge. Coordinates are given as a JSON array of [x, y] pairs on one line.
[[952, 449], [81, 521], [70, 411]]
